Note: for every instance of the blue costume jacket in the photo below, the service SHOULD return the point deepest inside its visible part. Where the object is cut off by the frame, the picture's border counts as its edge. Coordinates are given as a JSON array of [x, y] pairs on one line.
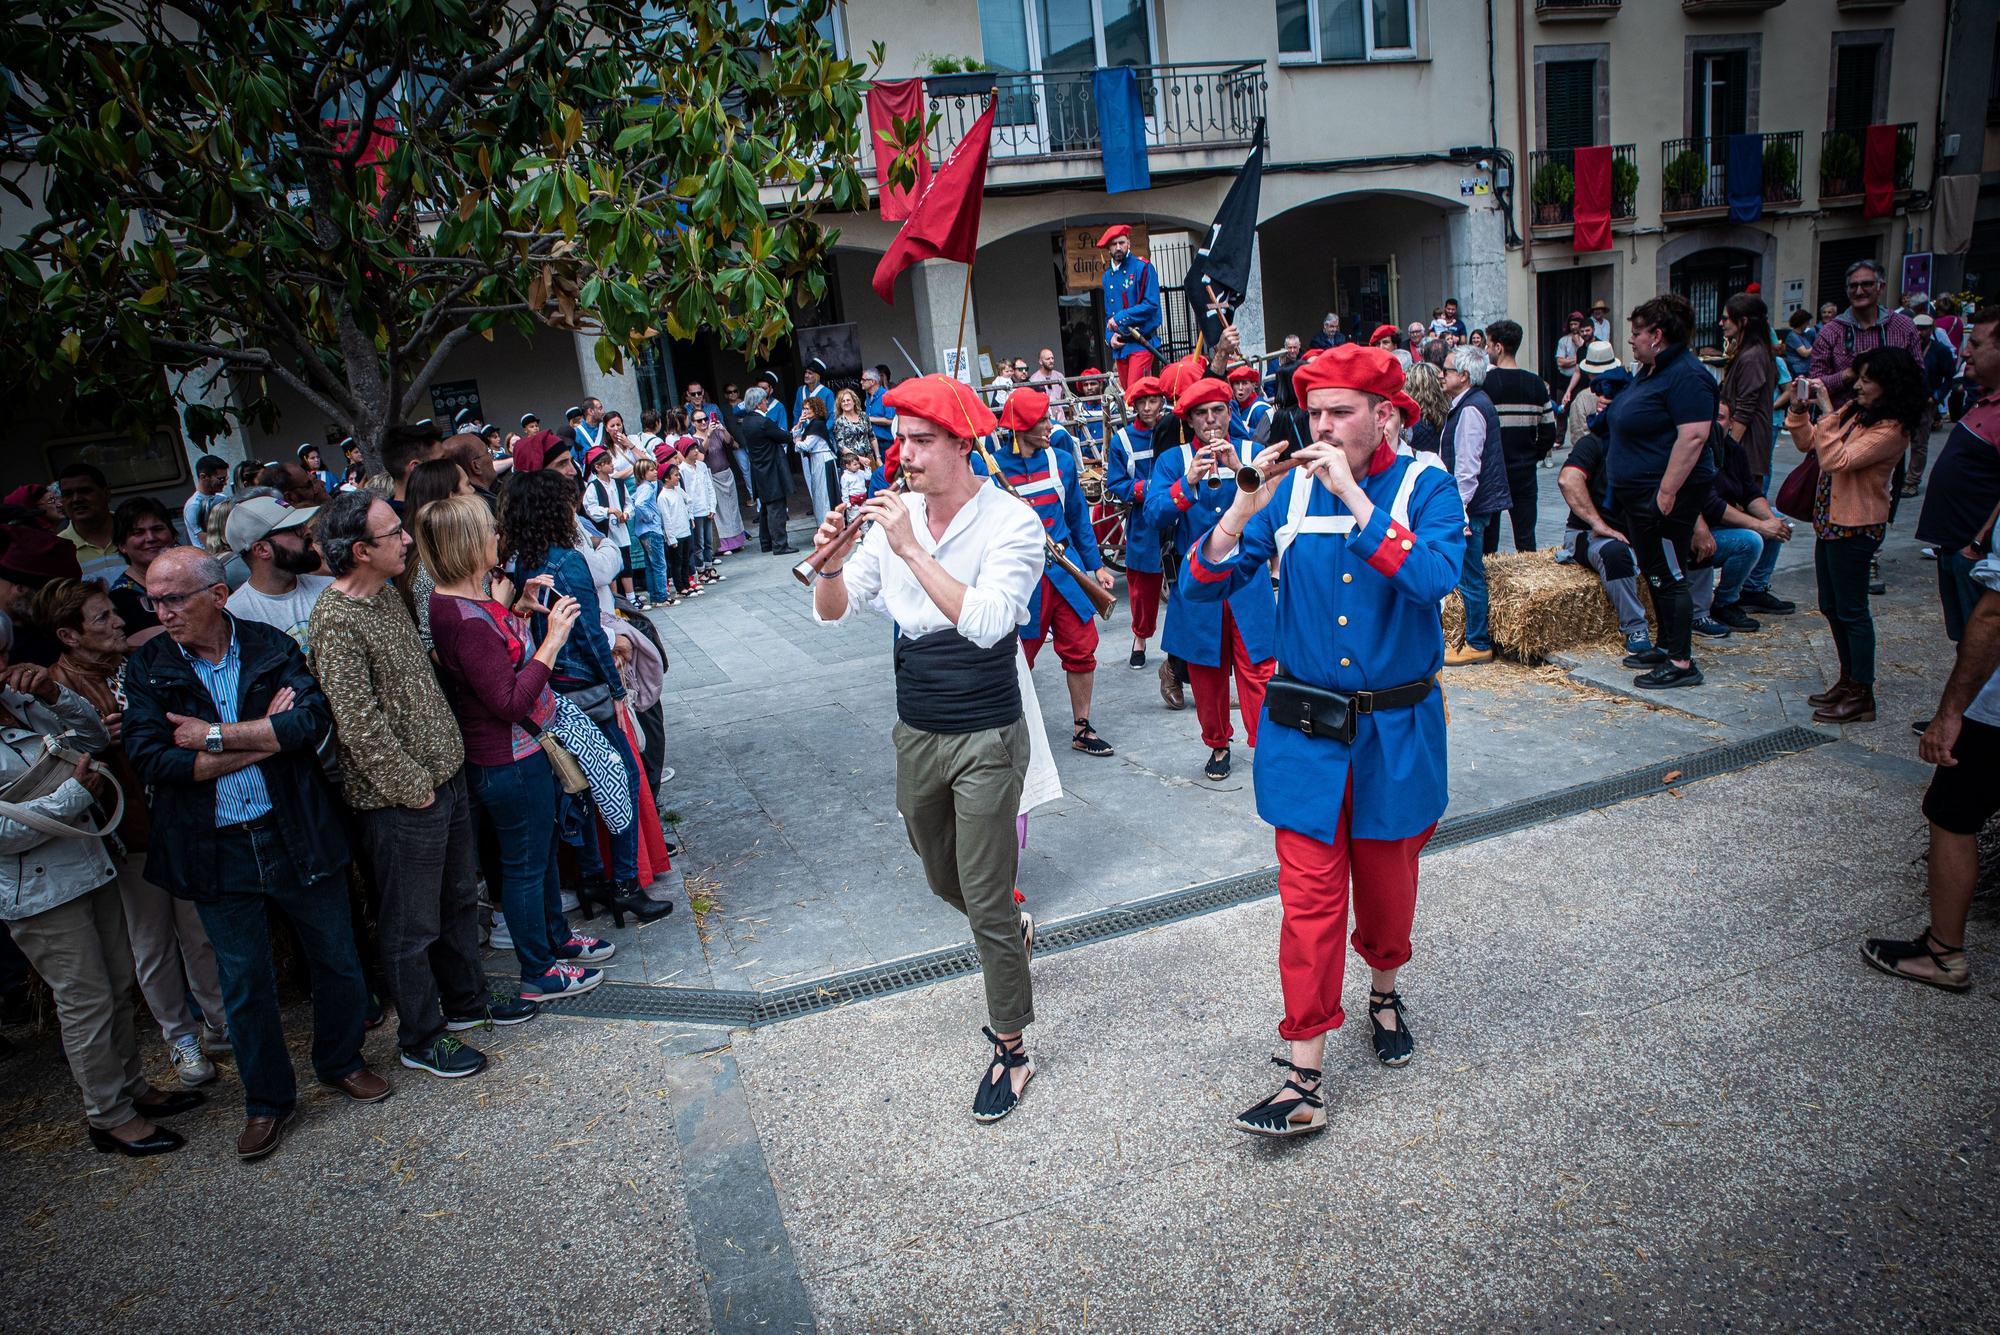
[[1128, 476], [820, 392], [1248, 421], [1194, 629], [1047, 481], [1131, 301], [1357, 610]]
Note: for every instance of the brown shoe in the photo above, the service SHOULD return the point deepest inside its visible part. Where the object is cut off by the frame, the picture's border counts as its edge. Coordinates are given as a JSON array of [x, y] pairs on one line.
[[1832, 694], [260, 1136], [1170, 687], [1857, 706], [364, 1086], [1467, 656]]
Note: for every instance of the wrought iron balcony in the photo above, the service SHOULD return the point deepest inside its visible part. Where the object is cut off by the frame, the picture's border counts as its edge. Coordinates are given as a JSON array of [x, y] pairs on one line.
[[1053, 114], [1557, 10], [1694, 173], [1552, 185], [1841, 154]]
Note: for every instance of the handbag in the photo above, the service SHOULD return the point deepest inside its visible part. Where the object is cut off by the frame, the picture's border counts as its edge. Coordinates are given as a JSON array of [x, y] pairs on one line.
[[594, 700], [54, 767], [568, 769], [1795, 494]]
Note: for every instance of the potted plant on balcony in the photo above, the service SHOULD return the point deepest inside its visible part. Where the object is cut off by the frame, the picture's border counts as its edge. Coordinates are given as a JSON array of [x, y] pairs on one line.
[[1781, 173], [957, 76], [1624, 188], [1840, 166], [1553, 189], [1682, 181]]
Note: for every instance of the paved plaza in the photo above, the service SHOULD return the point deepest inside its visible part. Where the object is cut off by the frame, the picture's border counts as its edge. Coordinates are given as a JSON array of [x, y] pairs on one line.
[[1655, 1086]]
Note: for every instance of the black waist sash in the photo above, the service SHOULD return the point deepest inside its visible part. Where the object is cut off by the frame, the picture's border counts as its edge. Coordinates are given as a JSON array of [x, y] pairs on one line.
[[946, 683]]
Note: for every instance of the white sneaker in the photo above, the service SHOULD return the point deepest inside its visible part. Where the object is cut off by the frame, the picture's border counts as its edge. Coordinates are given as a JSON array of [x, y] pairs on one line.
[[568, 901], [666, 775], [191, 1064], [564, 980], [215, 1040], [502, 939]]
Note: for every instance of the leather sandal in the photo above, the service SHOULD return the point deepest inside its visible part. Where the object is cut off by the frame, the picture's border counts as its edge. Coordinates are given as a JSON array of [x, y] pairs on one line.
[[1393, 1047], [1294, 1110], [1087, 741], [1953, 974], [997, 1096]]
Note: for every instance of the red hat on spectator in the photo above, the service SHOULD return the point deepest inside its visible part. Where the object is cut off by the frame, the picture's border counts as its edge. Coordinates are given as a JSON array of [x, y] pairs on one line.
[[1145, 387], [531, 452], [1382, 331], [949, 403], [1112, 233], [1205, 390], [34, 556], [1238, 374], [1370, 370], [1024, 408]]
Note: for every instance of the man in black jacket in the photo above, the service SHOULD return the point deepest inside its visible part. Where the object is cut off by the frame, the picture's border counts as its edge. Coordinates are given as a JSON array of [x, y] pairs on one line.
[[770, 479], [223, 721]]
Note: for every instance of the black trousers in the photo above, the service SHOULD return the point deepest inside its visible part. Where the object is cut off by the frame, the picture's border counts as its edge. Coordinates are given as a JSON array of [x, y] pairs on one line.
[[1522, 482], [1662, 544], [771, 520]]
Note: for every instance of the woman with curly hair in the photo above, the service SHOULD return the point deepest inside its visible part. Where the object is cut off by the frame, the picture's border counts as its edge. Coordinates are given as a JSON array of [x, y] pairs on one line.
[[1425, 383], [1857, 448], [537, 537]]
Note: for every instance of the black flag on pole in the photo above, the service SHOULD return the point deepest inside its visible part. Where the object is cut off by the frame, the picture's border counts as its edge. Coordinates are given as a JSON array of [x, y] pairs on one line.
[[1222, 263]]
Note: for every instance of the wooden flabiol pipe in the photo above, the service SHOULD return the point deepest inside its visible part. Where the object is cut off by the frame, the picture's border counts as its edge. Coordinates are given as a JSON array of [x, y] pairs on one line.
[[807, 570]]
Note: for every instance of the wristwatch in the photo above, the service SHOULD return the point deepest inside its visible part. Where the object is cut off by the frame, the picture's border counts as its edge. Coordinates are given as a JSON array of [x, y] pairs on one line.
[[213, 742]]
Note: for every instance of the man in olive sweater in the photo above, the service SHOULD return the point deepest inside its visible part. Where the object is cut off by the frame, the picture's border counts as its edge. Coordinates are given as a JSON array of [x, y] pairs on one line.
[[401, 759]]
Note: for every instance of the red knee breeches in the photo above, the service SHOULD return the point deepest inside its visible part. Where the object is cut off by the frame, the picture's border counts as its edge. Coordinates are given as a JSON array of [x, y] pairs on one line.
[[1211, 688], [1076, 638], [1142, 587]]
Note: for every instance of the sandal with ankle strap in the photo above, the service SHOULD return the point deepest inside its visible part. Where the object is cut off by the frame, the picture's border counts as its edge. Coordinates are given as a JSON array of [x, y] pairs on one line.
[[997, 1096], [1953, 975], [1086, 740], [1293, 1111], [1393, 1047]]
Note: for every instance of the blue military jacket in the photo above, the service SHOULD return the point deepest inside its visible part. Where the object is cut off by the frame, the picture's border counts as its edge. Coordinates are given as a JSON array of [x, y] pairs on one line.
[[1047, 481], [1194, 627], [1128, 473], [1132, 300]]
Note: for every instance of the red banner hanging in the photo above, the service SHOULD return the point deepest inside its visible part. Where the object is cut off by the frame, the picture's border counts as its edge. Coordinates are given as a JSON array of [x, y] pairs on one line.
[[888, 102], [1878, 172], [1593, 198]]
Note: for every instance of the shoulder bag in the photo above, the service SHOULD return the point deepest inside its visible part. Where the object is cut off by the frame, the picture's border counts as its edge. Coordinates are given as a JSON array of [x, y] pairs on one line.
[[54, 767], [568, 770]]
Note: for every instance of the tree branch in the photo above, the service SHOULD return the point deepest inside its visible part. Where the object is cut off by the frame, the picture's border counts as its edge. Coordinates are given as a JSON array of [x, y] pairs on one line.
[[422, 379]]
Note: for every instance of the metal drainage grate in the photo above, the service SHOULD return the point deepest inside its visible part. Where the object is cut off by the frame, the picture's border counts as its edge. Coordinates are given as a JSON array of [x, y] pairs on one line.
[[749, 1009]]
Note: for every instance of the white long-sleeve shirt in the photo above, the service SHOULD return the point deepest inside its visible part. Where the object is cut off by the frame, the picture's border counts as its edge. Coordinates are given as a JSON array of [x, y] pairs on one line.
[[1470, 450], [699, 484], [993, 546], [675, 516]]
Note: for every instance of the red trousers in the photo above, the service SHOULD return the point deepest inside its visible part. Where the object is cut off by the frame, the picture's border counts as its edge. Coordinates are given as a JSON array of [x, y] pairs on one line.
[[1313, 887], [1131, 368], [1211, 688], [1143, 589], [1076, 638]]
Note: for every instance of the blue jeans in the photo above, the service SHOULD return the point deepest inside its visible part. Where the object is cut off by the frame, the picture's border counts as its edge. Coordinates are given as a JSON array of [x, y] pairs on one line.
[[256, 873], [1957, 591], [1759, 579], [656, 568], [1472, 580], [520, 802], [1738, 553], [624, 847]]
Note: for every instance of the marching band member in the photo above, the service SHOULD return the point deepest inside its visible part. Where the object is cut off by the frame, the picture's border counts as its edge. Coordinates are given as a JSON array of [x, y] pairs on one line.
[[1128, 472], [1192, 486], [1046, 478], [1249, 414], [1131, 304], [953, 562], [1368, 539], [1087, 408]]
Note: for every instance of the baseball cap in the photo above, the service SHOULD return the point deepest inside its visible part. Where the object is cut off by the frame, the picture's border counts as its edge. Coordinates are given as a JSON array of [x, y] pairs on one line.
[[251, 521]]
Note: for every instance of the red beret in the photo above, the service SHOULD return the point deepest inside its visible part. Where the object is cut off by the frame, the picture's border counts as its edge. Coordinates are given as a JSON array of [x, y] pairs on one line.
[[531, 452], [1090, 373], [1350, 366], [1112, 233], [1145, 387], [949, 403], [1205, 390], [1244, 372], [1023, 409], [1382, 331], [1755, 287], [1179, 374], [34, 556]]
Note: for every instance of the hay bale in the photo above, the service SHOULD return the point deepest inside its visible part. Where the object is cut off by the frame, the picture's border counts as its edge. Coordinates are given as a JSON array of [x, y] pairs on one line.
[[1536, 607]]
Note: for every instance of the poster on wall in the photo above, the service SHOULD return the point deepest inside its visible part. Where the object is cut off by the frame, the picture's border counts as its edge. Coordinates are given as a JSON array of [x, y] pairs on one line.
[[451, 397], [838, 345], [1083, 262], [1917, 277]]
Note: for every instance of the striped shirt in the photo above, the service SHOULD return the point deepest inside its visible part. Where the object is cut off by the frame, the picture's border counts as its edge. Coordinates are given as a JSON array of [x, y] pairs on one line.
[[240, 796]]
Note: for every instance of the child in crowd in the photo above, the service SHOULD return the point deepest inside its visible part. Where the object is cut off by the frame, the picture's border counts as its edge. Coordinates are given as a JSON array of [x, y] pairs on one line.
[[678, 522], [700, 489], [607, 503], [650, 532], [853, 478]]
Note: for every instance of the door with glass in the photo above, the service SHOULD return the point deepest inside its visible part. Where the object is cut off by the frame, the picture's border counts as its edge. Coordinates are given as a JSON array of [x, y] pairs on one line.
[[1045, 52]]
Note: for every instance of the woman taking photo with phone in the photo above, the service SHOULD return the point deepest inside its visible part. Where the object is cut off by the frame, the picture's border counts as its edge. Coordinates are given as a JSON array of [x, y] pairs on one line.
[[1857, 448]]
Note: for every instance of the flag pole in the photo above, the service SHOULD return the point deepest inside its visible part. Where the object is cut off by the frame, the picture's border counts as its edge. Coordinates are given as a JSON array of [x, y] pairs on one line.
[[964, 303]]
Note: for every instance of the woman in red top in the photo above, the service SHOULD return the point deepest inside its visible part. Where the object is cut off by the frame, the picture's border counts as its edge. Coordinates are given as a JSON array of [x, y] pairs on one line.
[[501, 697]]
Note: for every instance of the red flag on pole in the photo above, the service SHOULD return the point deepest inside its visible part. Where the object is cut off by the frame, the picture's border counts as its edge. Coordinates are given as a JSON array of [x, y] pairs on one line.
[[1592, 200], [888, 102], [945, 223], [1878, 172]]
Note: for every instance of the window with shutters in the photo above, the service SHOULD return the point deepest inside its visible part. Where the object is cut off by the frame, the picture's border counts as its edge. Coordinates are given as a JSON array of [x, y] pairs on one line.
[[1721, 93], [1834, 257], [1570, 104], [1854, 86]]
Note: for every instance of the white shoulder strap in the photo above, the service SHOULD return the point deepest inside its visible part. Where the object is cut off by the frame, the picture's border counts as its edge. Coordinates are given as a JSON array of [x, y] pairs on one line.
[[1399, 508], [1055, 475], [1299, 519]]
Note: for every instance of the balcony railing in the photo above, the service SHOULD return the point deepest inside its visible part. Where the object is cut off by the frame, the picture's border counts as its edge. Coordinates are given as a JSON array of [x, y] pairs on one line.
[[1694, 173], [1576, 9], [1552, 185], [1840, 161], [1053, 114]]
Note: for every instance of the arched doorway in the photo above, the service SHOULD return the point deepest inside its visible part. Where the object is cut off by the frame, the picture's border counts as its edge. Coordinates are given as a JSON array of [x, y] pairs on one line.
[[1708, 278], [1371, 257]]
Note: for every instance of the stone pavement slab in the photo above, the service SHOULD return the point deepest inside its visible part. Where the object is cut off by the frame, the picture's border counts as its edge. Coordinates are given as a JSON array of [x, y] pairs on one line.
[[1654, 1085]]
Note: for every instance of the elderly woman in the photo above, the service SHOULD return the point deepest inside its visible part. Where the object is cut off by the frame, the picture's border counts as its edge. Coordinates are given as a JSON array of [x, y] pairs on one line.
[[1857, 448], [169, 947], [62, 908], [715, 444]]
